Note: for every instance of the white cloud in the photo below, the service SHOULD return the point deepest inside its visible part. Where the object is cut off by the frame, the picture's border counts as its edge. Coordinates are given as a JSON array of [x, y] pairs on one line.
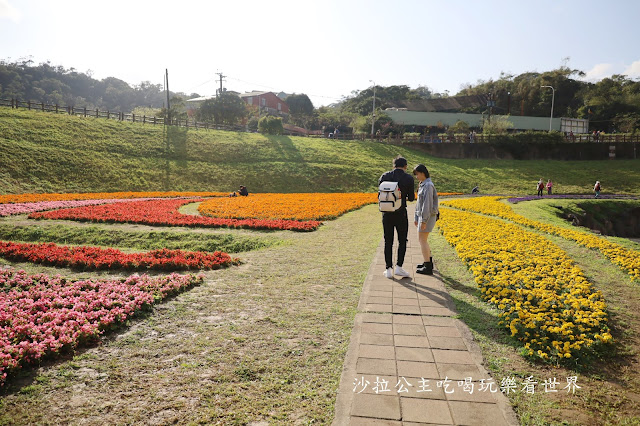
[[633, 70], [7, 10], [599, 71]]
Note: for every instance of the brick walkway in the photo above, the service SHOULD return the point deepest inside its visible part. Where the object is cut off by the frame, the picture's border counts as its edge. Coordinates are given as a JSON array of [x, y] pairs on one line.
[[405, 338]]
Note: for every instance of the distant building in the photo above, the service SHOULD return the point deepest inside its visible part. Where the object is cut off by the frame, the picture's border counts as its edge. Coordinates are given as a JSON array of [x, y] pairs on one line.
[[446, 119], [267, 102]]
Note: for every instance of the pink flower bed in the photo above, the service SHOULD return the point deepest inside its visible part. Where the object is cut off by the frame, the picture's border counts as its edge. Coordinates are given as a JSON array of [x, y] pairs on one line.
[[22, 208], [42, 315]]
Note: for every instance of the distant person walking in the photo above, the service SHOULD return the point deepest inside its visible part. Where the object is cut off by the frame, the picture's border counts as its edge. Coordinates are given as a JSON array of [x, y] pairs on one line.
[[596, 189], [397, 221], [540, 187], [425, 216], [549, 186]]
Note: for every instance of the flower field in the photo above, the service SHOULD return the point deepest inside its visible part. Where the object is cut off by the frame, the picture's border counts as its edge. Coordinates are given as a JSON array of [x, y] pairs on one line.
[[544, 299], [286, 206], [627, 260], [32, 198], [42, 315], [92, 258], [38, 206], [165, 213]]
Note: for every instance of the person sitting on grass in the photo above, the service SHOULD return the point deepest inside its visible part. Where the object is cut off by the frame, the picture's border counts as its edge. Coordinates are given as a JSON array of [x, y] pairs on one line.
[[243, 191], [475, 190]]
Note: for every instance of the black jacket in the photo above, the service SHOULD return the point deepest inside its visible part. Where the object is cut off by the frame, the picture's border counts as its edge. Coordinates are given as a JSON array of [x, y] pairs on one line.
[[405, 181]]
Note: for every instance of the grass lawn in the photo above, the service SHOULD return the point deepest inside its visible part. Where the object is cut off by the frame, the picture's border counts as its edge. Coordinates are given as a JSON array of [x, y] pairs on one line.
[[262, 341], [42, 152], [610, 391]]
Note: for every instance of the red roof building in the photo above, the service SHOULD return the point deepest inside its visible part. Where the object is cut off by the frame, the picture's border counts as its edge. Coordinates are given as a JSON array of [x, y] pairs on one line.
[[266, 101]]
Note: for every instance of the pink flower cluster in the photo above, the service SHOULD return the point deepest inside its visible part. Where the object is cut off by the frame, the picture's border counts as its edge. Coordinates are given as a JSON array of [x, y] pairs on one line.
[[22, 208], [42, 315], [89, 258]]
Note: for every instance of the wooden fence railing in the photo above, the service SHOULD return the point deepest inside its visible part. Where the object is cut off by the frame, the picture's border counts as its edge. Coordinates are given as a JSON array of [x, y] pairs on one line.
[[111, 115], [478, 138]]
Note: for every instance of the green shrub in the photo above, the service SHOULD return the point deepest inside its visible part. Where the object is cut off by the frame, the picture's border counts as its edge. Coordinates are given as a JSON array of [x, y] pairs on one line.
[[270, 125]]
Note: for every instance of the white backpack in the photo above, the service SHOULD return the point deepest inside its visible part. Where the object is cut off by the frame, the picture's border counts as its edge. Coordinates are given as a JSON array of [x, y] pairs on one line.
[[389, 197]]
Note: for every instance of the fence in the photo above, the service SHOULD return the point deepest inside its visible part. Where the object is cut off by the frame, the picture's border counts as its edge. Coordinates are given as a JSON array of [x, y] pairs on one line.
[[119, 116]]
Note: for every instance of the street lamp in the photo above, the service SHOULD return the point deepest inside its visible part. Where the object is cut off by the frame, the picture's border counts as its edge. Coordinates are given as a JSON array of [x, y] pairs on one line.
[[553, 97], [373, 117]]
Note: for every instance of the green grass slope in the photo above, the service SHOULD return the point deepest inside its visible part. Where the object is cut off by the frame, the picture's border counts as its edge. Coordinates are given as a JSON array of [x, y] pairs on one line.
[[44, 152]]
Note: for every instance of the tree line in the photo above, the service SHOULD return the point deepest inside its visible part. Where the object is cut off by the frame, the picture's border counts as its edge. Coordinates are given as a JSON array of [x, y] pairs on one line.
[[612, 103]]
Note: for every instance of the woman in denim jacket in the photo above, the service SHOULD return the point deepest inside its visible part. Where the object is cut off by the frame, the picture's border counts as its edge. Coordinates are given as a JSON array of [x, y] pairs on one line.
[[426, 215]]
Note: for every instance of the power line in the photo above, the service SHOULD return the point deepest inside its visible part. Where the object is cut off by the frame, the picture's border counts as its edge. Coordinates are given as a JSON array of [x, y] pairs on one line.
[[273, 88]]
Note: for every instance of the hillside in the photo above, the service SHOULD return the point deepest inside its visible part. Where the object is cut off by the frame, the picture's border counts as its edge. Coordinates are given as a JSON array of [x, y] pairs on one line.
[[42, 152]]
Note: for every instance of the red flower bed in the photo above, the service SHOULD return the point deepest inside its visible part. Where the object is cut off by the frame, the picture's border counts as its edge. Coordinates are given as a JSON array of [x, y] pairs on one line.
[[165, 213], [98, 258], [41, 315]]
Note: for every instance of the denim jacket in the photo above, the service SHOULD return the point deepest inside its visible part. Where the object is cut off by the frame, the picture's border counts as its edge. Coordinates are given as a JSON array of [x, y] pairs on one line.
[[427, 204]]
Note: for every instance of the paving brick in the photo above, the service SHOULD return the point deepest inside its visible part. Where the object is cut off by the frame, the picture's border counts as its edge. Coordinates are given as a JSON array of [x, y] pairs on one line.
[[433, 302], [425, 410], [377, 293], [452, 357], [404, 301], [409, 329], [376, 351], [368, 327], [376, 406], [378, 318], [427, 370], [404, 309], [378, 308], [407, 319], [442, 331], [422, 387], [476, 413], [376, 339], [375, 384], [438, 321], [475, 396], [414, 354], [379, 300], [447, 343], [379, 367], [411, 341], [460, 372], [436, 311]]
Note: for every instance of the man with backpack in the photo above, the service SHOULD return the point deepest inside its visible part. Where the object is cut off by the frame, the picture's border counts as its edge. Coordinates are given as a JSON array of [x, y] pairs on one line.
[[396, 187]]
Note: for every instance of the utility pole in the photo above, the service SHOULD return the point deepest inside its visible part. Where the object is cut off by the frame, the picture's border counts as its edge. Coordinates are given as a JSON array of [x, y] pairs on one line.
[[221, 77], [373, 116], [553, 98], [166, 70]]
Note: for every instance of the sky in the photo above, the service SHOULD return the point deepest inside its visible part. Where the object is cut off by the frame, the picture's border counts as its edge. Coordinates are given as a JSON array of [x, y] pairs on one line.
[[326, 48]]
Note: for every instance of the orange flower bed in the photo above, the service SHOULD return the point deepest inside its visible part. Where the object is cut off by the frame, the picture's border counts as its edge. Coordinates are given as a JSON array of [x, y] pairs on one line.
[[314, 206], [30, 198]]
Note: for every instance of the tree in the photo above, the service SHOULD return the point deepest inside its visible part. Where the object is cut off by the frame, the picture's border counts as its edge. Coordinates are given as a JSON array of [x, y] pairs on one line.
[[497, 125], [270, 125], [177, 109], [299, 104], [460, 127], [227, 108]]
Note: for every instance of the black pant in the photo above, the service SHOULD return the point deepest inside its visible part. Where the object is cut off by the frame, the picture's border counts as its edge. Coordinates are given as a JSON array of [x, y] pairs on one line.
[[398, 221]]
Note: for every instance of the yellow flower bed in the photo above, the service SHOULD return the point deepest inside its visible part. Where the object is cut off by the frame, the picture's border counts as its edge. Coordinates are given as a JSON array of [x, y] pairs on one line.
[[543, 297], [311, 206], [627, 260], [31, 198]]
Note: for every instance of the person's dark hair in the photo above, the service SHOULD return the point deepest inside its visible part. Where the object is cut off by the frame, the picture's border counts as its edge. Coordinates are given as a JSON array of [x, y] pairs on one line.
[[422, 169], [399, 161]]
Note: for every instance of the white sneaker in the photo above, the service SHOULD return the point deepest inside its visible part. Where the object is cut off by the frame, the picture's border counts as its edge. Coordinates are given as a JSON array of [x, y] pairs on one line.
[[388, 273], [401, 272]]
